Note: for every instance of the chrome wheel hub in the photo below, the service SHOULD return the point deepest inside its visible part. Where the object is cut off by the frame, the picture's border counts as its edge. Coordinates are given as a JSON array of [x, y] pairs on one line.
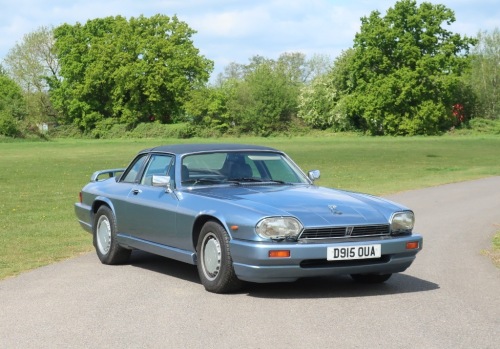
[[211, 258], [103, 235]]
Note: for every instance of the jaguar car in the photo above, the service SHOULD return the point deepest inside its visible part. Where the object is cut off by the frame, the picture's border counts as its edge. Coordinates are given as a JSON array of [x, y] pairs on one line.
[[243, 213]]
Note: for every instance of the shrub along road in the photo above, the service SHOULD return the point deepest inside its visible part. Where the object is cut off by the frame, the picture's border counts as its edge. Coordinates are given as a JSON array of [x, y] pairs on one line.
[[448, 299]]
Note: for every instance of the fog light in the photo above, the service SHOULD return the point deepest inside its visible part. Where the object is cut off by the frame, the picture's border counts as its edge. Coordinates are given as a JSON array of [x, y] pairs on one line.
[[413, 245], [279, 254]]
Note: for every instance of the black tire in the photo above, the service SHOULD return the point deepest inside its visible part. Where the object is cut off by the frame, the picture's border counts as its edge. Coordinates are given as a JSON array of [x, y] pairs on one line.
[[371, 278], [215, 265], [104, 230]]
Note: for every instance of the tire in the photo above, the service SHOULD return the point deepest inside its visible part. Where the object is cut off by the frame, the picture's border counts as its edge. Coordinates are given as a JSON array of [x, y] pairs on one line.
[[215, 265], [371, 278], [107, 248]]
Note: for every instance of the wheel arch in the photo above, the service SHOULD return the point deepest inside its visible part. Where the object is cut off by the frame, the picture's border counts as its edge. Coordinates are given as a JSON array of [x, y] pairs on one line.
[[200, 222], [98, 202]]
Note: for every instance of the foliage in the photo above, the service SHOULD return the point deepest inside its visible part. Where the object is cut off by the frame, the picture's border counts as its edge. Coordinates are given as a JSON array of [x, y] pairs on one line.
[[8, 125], [494, 252], [320, 102], [485, 77], [65, 131], [260, 97], [32, 63], [405, 75], [207, 106], [12, 107], [485, 126], [317, 103], [406, 71], [128, 70], [496, 249], [157, 130], [268, 96]]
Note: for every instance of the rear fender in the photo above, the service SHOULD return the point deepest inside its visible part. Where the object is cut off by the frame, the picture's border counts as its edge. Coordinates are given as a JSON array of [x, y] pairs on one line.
[[98, 202]]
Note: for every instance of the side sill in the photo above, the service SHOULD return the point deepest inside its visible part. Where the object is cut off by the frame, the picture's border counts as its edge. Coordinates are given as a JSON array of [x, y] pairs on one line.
[[161, 250]]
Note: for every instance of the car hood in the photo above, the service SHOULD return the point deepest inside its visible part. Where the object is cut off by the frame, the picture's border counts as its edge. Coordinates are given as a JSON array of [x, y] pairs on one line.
[[312, 205]]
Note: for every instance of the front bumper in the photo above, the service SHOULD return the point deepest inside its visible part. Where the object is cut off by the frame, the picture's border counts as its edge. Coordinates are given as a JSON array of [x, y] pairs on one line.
[[252, 263]]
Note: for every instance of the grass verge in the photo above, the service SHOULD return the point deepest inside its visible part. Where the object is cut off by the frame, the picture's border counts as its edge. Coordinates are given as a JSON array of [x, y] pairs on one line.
[[40, 181], [494, 252]]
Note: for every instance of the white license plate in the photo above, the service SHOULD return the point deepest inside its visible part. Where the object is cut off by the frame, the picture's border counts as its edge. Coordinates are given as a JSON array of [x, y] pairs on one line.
[[342, 253]]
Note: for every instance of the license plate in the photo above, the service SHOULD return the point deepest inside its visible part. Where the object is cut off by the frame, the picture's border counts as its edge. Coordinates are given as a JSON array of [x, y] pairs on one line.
[[342, 253]]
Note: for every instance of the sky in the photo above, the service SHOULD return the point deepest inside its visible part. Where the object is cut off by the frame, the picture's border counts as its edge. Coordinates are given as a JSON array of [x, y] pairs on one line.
[[234, 31]]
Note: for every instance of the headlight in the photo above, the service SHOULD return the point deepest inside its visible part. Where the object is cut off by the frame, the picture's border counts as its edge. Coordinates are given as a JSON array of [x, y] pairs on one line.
[[279, 228], [402, 222]]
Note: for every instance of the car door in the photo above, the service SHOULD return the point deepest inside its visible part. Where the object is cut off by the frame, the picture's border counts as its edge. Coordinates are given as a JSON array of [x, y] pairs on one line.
[[152, 210]]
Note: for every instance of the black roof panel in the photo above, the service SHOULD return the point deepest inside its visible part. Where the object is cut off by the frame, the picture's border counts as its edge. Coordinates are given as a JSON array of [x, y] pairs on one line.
[[195, 148]]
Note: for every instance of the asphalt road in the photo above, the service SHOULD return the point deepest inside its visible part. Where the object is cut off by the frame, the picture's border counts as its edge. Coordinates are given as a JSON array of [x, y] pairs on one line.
[[449, 298]]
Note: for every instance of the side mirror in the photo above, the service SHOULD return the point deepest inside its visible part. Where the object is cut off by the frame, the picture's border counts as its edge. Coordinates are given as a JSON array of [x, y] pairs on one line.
[[162, 181], [314, 175]]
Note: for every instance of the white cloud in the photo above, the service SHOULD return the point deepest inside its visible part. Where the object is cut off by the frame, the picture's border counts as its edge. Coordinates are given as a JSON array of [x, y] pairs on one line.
[[234, 31], [231, 24]]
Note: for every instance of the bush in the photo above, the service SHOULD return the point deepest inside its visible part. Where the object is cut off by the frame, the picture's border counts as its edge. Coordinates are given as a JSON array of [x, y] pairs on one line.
[[65, 131], [8, 125], [103, 128], [488, 126], [157, 130]]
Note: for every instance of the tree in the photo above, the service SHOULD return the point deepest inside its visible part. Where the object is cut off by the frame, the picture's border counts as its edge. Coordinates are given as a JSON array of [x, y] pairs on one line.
[[31, 64], [12, 105], [126, 70], [265, 98], [407, 70], [207, 106], [322, 101], [485, 77], [262, 96]]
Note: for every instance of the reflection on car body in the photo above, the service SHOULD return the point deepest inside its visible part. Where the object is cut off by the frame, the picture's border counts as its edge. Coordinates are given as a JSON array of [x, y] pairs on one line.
[[243, 213]]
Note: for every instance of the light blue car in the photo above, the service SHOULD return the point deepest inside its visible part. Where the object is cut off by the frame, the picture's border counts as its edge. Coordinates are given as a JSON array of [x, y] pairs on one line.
[[243, 213]]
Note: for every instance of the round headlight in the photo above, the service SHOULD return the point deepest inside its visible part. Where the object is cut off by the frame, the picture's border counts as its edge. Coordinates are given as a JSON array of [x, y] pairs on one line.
[[279, 228], [402, 222]]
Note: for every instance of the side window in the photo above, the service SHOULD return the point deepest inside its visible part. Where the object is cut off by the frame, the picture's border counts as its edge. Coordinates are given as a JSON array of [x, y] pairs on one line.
[[159, 164], [130, 176]]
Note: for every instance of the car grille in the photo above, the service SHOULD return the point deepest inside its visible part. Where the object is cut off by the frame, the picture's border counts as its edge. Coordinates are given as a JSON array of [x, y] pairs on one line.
[[342, 232]]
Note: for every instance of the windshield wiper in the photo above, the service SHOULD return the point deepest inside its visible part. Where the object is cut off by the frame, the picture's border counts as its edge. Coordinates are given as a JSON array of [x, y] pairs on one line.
[[202, 180]]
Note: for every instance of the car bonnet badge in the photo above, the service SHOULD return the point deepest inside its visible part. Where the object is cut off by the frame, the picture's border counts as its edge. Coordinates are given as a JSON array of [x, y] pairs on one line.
[[334, 210]]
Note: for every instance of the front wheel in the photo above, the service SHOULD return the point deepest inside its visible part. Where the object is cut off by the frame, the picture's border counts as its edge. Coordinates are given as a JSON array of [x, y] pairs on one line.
[[215, 265], [371, 278], [107, 248]]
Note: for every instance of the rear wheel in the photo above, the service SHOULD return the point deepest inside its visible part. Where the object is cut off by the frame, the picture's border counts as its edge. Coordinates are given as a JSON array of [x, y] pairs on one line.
[[215, 265], [371, 278], [107, 248]]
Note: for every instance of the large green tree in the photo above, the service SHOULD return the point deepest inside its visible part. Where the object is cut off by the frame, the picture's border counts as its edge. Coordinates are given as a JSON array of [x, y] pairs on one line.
[[406, 71], [128, 71]]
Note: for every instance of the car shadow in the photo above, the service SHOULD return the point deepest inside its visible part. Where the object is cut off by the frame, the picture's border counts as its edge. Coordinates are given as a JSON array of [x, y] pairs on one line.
[[319, 287], [163, 265], [341, 286]]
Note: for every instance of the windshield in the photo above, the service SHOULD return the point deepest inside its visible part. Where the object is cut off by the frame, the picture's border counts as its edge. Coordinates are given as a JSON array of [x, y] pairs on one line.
[[240, 167]]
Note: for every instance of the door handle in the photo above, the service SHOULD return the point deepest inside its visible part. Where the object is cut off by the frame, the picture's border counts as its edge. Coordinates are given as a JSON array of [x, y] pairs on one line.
[[136, 191]]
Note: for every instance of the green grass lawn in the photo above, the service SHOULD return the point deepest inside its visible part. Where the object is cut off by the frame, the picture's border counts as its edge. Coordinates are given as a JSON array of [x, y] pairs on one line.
[[40, 181]]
